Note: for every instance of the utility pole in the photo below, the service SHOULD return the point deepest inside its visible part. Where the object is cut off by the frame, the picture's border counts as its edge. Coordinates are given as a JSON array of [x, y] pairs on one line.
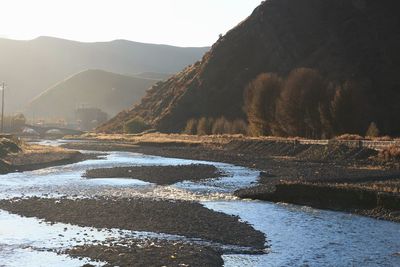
[[2, 107]]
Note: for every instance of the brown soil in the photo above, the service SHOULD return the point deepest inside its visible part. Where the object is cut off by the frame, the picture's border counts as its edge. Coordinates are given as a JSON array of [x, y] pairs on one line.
[[162, 175], [134, 253], [189, 219]]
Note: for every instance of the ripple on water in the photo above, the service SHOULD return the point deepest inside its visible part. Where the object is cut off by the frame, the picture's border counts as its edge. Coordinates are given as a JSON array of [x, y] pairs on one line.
[[302, 236]]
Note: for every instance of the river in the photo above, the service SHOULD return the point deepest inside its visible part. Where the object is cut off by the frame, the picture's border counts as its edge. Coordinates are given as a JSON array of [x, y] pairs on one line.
[[297, 235]]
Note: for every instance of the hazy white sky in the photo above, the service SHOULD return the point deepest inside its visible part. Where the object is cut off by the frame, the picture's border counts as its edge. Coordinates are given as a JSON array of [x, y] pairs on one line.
[[175, 22]]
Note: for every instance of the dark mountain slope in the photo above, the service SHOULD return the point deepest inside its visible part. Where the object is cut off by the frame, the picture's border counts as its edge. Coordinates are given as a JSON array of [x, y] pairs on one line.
[[29, 67], [342, 39], [93, 88]]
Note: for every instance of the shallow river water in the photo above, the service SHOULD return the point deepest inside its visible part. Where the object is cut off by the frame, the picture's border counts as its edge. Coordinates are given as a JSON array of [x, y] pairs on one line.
[[297, 236]]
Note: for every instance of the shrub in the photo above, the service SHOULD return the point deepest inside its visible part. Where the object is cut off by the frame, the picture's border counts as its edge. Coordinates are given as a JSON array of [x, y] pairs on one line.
[[254, 130], [136, 125], [221, 126], [204, 126], [210, 123], [8, 146], [239, 127], [349, 137], [207, 126], [373, 130], [351, 106], [191, 127]]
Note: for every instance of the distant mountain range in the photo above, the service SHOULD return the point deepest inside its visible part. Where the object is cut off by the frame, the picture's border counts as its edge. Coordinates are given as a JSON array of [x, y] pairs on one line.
[[30, 67], [91, 88], [350, 43]]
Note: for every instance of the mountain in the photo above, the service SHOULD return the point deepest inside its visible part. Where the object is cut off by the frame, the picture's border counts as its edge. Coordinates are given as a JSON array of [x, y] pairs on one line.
[[29, 67], [342, 40], [153, 75], [91, 88]]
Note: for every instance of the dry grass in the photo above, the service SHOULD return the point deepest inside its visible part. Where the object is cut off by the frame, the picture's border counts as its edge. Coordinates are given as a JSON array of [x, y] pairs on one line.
[[30, 149], [356, 137], [391, 186], [387, 186], [382, 138], [349, 137], [38, 154], [164, 138], [221, 139]]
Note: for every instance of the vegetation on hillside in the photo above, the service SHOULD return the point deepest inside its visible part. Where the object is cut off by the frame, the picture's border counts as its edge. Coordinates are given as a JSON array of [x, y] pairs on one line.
[[212, 126], [135, 125], [307, 104]]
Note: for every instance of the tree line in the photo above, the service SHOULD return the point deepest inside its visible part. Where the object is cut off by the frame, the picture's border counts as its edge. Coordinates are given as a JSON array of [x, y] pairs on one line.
[[306, 104]]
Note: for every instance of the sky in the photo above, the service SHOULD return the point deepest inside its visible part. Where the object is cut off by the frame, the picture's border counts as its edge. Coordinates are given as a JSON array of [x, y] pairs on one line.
[[174, 22]]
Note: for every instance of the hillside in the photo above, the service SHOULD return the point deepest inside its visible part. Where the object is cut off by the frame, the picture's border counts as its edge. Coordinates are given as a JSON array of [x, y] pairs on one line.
[[29, 67], [153, 75], [342, 40], [92, 88]]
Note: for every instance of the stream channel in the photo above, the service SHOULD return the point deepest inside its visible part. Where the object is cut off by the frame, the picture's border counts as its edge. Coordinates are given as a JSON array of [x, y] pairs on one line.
[[296, 235]]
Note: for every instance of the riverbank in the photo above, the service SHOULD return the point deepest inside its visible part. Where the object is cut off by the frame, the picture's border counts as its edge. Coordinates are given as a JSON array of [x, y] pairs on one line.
[[337, 197], [281, 162], [17, 156]]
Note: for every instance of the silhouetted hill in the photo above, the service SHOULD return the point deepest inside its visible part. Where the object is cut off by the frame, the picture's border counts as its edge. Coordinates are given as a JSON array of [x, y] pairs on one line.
[[341, 39], [29, 67], [92, 88]]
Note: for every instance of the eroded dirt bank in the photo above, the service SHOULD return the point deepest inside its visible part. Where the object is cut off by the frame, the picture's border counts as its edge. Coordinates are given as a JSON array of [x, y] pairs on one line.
[[371, 203]]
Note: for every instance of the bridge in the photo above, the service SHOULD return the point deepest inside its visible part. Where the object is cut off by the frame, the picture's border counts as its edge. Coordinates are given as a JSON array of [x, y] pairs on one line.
[[43, 130]]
